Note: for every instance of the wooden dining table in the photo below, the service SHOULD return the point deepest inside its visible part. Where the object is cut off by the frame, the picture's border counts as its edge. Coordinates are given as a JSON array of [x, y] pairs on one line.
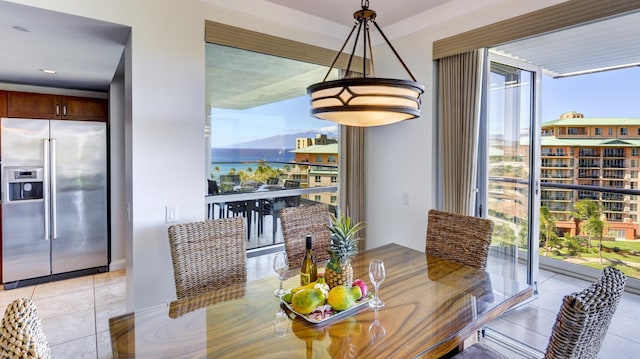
[[431, 306]]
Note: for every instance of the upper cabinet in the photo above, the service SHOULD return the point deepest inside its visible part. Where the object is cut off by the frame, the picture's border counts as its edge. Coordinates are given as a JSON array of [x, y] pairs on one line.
[[84, 108], [3, 103], [45, 106], [31, 105]]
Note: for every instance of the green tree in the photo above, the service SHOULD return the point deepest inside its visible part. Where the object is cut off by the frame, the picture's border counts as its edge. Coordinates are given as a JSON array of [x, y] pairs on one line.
[[523, 233], [583, 210], [505, 232], [595, 228], [215, 172], [589, 212], [547, 227]]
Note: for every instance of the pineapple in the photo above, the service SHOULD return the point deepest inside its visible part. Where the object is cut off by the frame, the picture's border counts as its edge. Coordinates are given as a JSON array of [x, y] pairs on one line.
[[343, 247]]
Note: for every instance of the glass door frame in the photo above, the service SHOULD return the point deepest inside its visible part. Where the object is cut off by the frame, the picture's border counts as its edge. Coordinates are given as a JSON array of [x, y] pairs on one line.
[[532, 258]]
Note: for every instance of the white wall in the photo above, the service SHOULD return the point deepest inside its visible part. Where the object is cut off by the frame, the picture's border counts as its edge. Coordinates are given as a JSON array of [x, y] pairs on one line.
[[401, 158], [117, 182], [163, 125], [164, 121]]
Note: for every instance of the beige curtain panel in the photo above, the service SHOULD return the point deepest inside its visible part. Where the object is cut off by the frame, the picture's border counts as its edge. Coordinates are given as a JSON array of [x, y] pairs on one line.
[[351, 169], [352, 181], [460, 87]]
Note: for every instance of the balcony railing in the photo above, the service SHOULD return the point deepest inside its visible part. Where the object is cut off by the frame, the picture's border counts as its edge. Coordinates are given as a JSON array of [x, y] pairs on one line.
[[570, 242], [588, 154], [616, 197]]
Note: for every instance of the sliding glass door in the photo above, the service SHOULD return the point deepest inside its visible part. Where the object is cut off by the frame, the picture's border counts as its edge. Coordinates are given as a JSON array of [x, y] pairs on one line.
[[509, 171]]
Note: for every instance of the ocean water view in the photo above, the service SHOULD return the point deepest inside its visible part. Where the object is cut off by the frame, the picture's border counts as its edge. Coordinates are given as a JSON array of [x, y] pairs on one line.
[[242, 158]]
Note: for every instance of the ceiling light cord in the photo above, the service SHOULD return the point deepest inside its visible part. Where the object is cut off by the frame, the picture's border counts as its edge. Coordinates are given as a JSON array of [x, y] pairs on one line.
[[360, 98]]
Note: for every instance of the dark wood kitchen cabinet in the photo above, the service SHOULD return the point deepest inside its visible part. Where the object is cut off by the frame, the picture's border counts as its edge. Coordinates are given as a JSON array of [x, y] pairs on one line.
[[45, 106], [3, 103]]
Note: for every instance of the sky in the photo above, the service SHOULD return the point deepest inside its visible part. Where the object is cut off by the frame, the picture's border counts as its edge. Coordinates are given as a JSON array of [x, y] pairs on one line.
[[289, 116], [613, 93]]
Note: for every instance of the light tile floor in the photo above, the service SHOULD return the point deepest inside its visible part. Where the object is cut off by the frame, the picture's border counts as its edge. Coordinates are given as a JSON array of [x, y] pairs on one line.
[[532, 322], [75, 313]]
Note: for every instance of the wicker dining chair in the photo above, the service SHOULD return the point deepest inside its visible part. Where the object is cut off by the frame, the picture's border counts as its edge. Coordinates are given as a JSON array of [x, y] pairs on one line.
[[208, 255], [22, 334], [459, 238], [581, 324], [297, 223]]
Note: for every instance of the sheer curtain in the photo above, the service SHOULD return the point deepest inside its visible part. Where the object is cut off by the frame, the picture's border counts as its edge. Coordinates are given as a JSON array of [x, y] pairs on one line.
[[460, 87]]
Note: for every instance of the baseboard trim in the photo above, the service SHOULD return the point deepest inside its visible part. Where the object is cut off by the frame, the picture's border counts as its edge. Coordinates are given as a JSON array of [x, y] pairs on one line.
[[117, 265]]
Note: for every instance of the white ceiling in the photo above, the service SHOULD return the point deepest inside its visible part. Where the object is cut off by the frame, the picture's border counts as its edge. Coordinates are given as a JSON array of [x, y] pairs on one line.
[[86, 52], [341, 11], [594, 47]]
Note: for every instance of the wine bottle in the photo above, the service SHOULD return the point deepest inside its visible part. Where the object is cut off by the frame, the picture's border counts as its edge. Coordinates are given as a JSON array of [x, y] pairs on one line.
[[308, 270]]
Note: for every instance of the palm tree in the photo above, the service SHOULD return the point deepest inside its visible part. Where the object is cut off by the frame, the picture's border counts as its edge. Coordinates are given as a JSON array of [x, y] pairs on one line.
[[589, 212], [594, 227], [547, 226], [583, 210]]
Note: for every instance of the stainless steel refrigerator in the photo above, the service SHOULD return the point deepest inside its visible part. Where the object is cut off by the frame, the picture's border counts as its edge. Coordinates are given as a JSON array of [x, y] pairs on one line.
[[54, 199]]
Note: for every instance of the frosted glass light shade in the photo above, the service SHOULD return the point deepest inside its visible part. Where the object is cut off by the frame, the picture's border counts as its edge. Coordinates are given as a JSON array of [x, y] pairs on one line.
[[366, 102]]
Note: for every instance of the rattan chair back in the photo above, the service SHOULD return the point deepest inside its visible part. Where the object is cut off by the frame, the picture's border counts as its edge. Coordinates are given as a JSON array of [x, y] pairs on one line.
[[297, 223], [459, 238], [22, 334], [584, 317], [208, 255], [581, 323]]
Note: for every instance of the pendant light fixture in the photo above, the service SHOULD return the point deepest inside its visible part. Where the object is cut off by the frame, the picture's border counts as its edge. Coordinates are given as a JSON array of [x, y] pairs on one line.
[[365, 101]]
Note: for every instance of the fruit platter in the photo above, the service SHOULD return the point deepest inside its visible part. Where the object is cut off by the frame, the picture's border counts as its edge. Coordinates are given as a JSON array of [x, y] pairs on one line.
[[316, 303]]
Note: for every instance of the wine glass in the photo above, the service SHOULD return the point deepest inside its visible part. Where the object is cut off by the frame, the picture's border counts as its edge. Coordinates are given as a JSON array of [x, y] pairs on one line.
[[376, 274], [280, 266]]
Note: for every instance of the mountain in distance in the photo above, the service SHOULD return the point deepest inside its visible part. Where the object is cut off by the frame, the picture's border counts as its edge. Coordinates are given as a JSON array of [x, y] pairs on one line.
[[280, 141]]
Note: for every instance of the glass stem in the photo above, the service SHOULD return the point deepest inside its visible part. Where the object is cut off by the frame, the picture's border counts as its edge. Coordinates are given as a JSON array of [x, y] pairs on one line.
[[376, 287], [280, 284]]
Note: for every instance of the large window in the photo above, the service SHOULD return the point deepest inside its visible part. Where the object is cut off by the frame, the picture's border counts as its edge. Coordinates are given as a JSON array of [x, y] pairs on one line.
[[259, 114], [262, 137]]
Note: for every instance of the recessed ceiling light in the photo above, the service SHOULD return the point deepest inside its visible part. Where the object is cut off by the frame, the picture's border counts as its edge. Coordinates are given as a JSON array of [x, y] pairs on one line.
[[47, 71], [21, 28]]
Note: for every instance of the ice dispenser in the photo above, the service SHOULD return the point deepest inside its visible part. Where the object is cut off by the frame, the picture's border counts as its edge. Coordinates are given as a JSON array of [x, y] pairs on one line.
[[24, 183]]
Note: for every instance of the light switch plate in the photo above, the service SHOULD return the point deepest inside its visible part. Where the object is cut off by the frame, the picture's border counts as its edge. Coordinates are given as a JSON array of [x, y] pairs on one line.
[[171, 213]]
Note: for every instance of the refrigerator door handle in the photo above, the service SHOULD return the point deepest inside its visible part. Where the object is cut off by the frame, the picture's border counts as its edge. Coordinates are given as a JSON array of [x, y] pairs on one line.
[[54, 195], [46, 194]]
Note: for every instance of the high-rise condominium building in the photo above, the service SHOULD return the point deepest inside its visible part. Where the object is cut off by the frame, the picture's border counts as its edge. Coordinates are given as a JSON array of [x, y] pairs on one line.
[[601, 152]]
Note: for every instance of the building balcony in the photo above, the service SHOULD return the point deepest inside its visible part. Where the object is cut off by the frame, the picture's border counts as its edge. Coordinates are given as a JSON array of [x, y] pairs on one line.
[[556, 154], [556, 198], [612, 197]]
